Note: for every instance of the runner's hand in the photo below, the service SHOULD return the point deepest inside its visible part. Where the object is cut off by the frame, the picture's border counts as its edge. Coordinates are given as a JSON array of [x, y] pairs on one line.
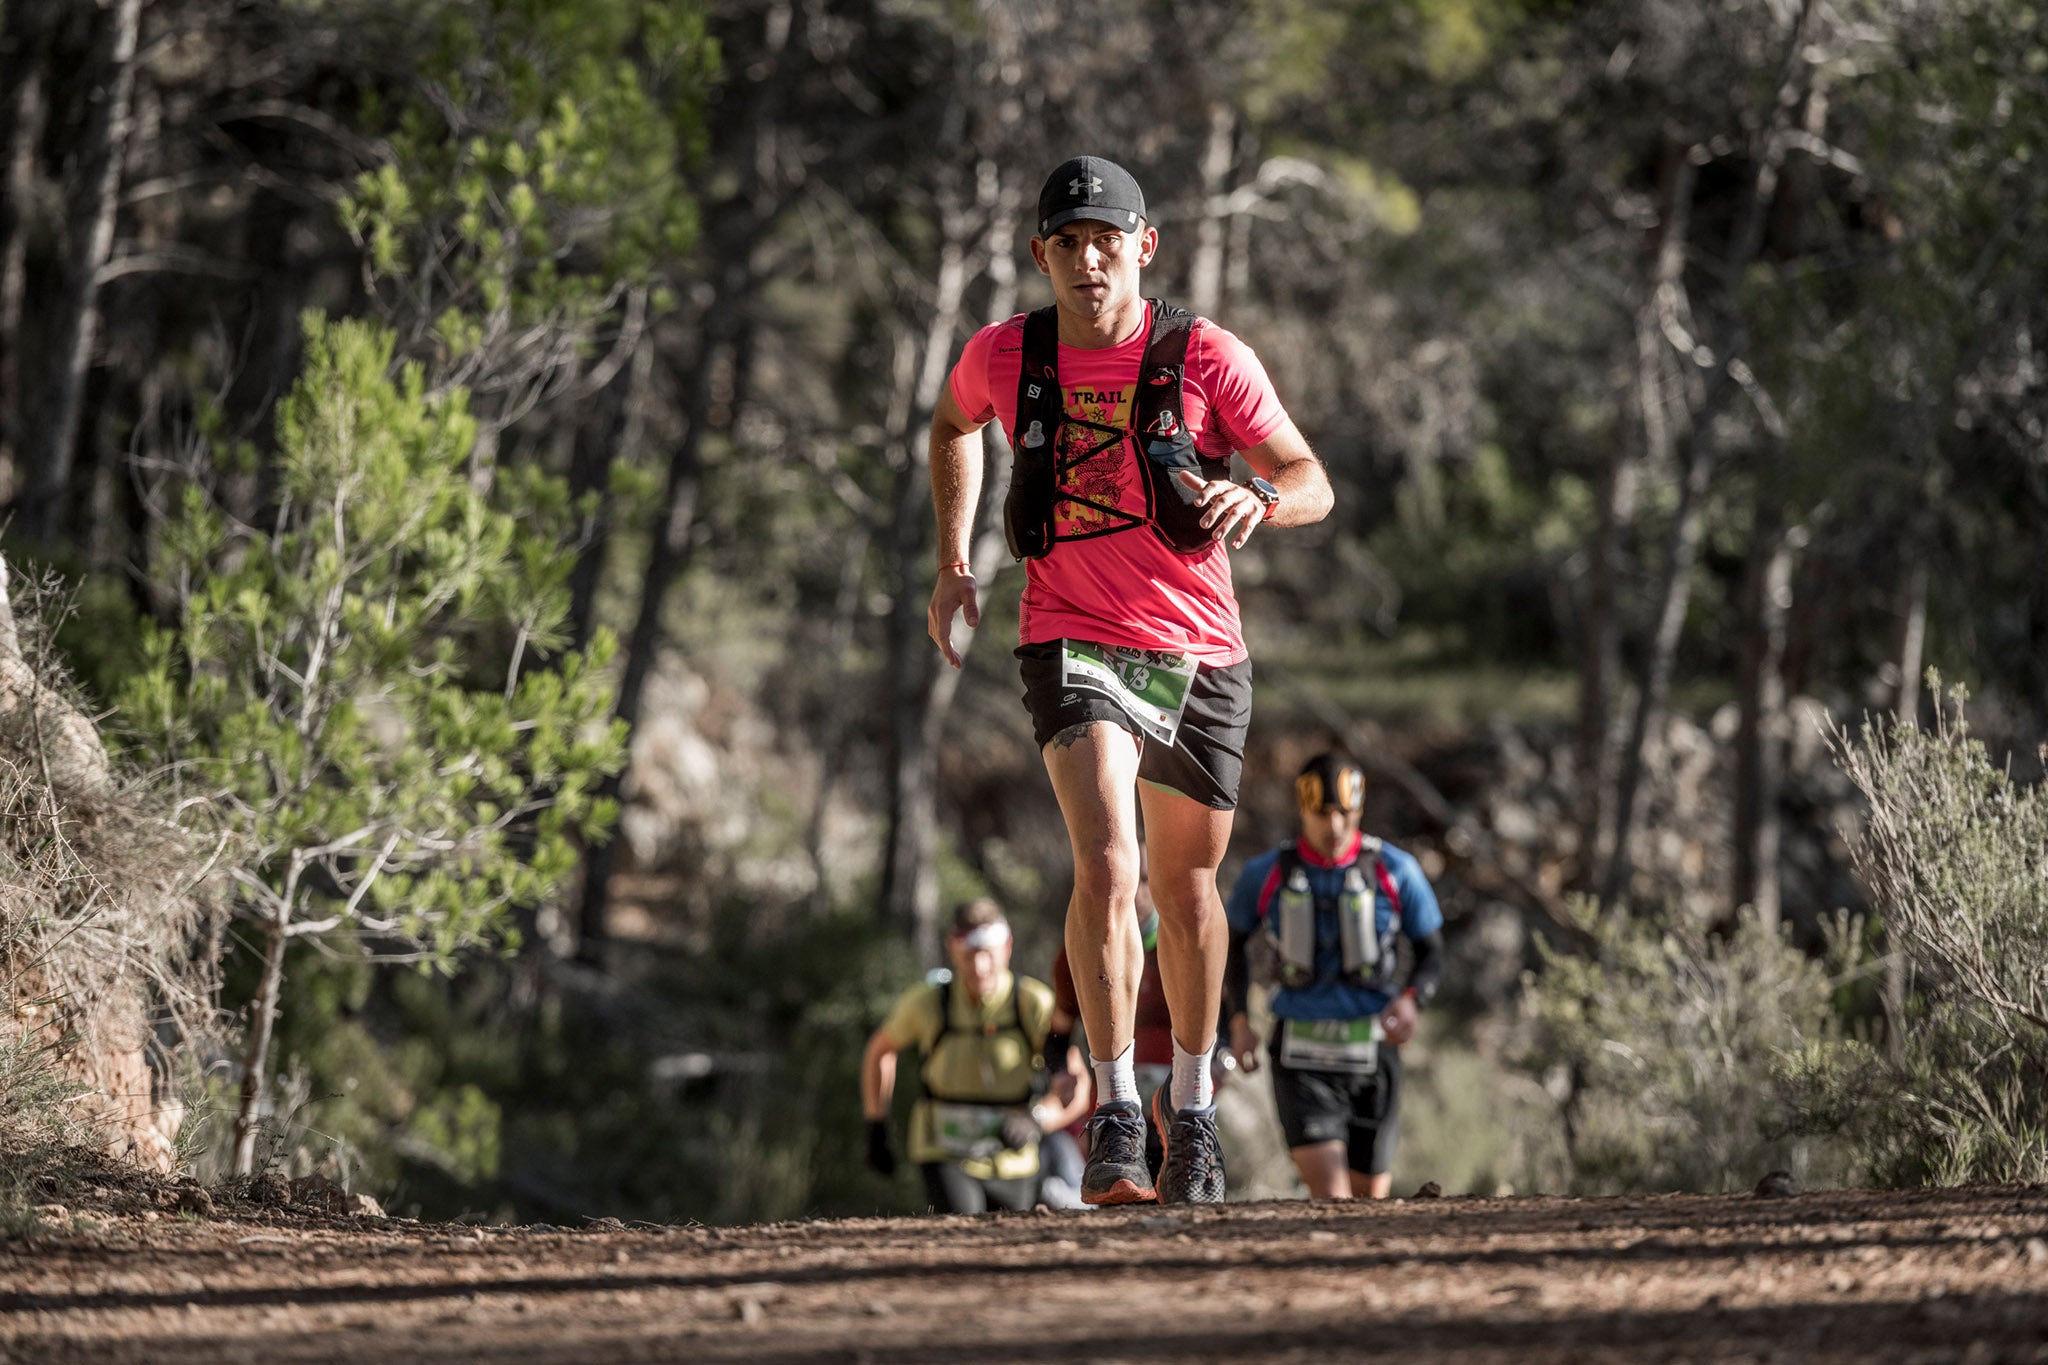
[[954, 592], [1244, 1043], [1399, 1019], [881, 1156], [1020, 1130], [1231, 507]]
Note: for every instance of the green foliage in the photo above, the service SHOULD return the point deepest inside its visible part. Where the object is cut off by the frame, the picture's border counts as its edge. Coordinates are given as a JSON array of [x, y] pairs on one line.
[[1475, 554], [1956, 857], [720, 1088], [536, 170], [385, 1079], [1664, 1043], [1346, 54], [348, 686]]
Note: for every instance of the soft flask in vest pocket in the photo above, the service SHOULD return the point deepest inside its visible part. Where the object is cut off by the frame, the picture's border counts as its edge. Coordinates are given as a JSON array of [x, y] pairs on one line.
[[1293, 926], [1175, 518], [1027, 513], [1034, 466]]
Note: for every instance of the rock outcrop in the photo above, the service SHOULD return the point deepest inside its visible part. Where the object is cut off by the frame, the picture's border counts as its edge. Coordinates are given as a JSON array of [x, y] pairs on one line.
[[95, 913]]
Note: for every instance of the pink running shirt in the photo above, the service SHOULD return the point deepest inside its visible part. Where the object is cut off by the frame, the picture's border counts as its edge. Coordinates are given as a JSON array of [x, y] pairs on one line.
[[1108, 580]]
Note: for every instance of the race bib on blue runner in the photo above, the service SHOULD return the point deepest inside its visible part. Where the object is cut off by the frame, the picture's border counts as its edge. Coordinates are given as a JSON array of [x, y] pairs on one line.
[[1347, 1045], [1148, 685]]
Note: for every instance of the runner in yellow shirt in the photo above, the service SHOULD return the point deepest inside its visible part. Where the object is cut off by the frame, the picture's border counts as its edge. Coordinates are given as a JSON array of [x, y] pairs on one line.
[[974, 1132]]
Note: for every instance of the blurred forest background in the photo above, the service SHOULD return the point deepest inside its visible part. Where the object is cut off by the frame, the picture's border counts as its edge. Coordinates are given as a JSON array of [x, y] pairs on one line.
[[468, 459]]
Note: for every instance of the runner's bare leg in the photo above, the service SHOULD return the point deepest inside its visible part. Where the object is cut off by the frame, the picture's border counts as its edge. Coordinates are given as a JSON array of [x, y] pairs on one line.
[[1184, 844], [1325, 1169], [1094, 768]]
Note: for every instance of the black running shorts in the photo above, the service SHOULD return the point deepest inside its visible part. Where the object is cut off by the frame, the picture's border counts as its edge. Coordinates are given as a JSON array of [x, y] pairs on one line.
[[1362, 1112], [1207, 756]]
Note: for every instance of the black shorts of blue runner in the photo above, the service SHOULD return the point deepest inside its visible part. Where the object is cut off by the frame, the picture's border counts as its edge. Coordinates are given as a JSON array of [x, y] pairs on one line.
[[1207, 756], [1362, 1112]]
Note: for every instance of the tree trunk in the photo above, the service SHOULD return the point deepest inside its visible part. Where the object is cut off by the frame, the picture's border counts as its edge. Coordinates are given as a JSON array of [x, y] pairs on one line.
[[595, 445], [48, 446], [1205, 271], [1760, 736], [1912, 639], [734, 240], [256, 1059], [1646, 397], [673, 541], [1674, 595], [910, 889], [1600, 633], [10, 639], [1719, 348], [24, 131]]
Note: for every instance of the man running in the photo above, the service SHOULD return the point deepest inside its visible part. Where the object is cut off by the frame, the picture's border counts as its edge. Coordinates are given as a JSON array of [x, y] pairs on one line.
[[1328, 907], [974, 1132], [1123, 413]]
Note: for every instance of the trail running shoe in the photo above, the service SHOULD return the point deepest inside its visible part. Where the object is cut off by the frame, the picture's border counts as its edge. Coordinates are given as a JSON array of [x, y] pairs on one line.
[[1116, 1172], [1193, 1171]]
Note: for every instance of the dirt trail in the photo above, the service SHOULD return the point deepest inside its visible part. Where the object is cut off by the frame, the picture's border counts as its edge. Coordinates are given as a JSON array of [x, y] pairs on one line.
[[1956, 1275]]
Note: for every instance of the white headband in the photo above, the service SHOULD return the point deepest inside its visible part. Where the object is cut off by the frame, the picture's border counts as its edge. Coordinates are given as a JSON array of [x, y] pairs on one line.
[[986, 936]]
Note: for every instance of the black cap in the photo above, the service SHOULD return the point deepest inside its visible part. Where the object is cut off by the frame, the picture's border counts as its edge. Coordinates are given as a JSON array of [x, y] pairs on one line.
[[1331, 778], [1090, 187]]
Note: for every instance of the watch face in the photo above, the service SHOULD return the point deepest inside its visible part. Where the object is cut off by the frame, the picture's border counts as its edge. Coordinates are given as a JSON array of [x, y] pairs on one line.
[[1265, 490]]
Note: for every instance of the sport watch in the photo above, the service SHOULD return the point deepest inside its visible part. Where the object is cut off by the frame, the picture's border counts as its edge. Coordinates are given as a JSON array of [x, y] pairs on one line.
[[1264, 491]]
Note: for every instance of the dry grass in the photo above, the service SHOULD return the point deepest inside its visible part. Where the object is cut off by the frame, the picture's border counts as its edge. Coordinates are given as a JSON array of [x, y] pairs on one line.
[[106, 975]]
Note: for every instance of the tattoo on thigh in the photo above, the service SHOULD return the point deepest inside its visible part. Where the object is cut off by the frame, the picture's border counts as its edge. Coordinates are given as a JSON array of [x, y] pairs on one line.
[[1069, 737]]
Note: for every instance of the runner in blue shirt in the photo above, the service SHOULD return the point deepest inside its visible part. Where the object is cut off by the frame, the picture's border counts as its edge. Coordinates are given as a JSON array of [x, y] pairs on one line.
[[1328, 907]]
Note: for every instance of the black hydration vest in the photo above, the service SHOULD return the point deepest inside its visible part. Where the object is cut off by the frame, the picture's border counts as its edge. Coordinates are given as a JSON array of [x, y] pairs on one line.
[[1158, 425]]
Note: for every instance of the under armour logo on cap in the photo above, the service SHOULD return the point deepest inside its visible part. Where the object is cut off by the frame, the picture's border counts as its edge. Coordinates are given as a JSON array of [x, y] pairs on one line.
[[1090, 187]]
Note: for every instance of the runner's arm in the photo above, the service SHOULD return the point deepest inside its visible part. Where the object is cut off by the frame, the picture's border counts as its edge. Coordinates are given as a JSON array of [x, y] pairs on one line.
[[1052, 1114], [1428, 972], [1285, 461], [1232, 511], [1404, 1010], [1063, 1064], [878, 1075], [956, 490], [1237, 1003], [1236, 977], [1422, 921]]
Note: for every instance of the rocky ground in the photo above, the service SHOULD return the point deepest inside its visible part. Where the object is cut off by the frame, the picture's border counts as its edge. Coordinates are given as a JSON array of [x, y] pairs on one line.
[[1952, 1275]]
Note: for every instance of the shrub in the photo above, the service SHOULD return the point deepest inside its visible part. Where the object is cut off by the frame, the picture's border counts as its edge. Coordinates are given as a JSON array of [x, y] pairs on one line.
[[1955, 855], [1664, 1047]]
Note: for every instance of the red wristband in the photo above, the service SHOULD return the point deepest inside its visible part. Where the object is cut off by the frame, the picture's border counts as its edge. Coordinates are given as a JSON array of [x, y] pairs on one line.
[[959, 564]]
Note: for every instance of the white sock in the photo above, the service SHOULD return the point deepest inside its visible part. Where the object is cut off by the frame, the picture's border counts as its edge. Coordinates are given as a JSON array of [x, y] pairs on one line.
[[1116, 1080], [1193, 1086]]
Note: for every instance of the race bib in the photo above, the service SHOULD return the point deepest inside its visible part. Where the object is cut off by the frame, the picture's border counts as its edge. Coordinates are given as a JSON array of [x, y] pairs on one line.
[[1348, 1045], [1150, 685], [968, 1130]]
